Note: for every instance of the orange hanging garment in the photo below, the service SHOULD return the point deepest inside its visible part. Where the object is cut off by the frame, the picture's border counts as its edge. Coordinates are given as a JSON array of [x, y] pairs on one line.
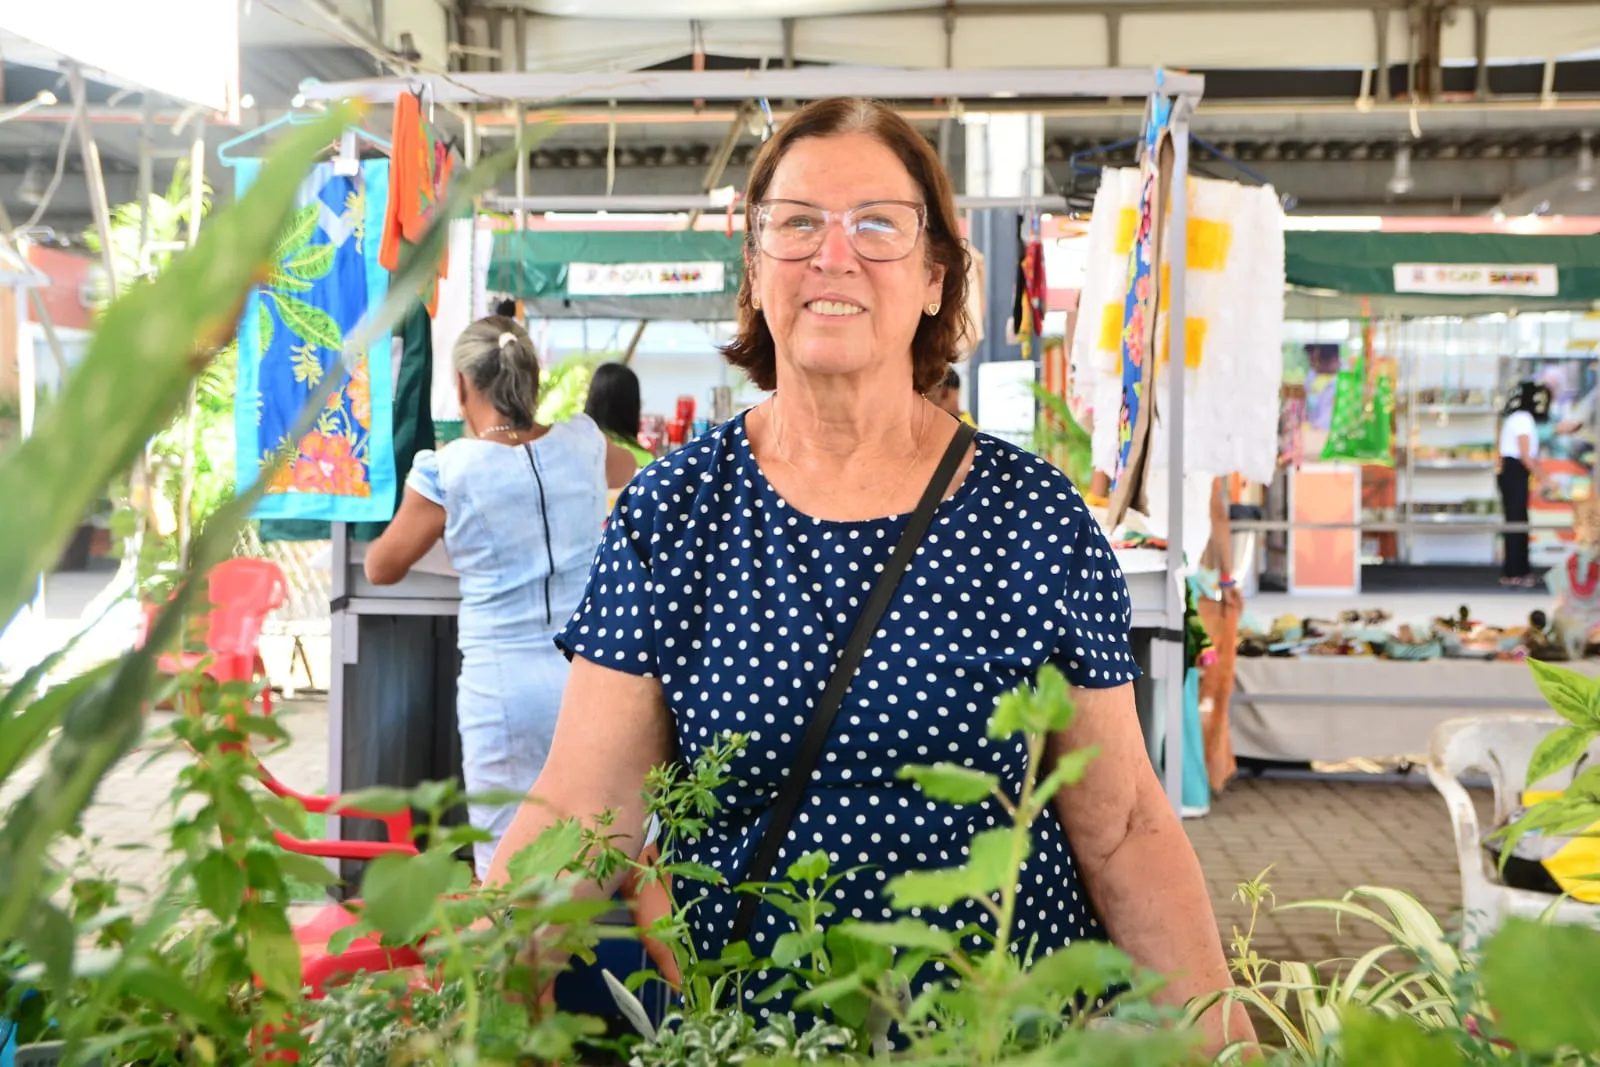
[[418, 176]]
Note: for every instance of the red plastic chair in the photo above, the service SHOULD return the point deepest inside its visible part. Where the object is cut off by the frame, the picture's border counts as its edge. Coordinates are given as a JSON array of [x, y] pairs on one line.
[[243, 592], [318, 966]]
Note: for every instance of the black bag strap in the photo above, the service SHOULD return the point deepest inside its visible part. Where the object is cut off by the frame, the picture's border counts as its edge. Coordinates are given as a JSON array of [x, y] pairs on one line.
[[844, 672]]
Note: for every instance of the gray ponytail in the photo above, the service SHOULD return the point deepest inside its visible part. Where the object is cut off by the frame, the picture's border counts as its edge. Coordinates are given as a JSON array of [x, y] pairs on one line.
[[497, 359]]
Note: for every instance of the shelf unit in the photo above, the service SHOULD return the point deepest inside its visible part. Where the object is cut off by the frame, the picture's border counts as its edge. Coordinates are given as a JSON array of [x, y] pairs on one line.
[[1449, 387]]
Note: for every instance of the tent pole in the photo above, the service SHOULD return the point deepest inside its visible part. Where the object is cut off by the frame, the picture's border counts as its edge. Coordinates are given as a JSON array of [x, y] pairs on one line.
[[93, 175], [633, 345], [520, 214], [1175, 250], [718, 164]]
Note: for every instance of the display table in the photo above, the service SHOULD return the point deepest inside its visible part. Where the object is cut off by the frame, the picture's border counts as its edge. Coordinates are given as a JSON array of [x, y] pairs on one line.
[[1332, 708], [391, 699]]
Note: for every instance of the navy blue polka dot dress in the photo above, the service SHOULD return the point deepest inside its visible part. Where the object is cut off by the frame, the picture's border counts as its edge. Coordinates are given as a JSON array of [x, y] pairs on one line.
[[710, 582]]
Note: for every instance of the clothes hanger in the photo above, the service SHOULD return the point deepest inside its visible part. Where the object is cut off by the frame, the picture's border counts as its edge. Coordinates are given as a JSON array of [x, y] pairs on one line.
[[226, 156], [1079, 161]]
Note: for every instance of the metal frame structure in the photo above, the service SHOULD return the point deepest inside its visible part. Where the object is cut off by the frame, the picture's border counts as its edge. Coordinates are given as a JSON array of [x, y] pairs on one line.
[[1158, 598]]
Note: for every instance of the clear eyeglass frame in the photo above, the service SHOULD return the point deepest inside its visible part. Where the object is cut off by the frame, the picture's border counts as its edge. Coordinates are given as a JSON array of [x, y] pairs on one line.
[[848, 220]]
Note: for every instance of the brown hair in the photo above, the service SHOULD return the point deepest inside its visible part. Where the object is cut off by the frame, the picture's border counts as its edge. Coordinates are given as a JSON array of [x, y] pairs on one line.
[[936, 344]]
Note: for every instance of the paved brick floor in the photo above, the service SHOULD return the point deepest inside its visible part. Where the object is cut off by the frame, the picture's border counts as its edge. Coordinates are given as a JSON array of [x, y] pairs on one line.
[[1323, 838], [125, 824]]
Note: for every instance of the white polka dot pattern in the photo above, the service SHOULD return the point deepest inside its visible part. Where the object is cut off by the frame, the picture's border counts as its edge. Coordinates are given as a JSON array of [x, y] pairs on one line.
[[710, 582]]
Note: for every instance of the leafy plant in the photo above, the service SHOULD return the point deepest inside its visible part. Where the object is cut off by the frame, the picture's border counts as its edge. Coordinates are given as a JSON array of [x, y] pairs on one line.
[[1576, 698], [172, 986], [1307, 1010], [875, 985], [564, 387], [1059, 438]]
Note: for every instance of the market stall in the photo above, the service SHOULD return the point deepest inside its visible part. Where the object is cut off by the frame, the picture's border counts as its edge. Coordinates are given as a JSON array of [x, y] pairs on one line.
[[377, 631], [1445, 316]]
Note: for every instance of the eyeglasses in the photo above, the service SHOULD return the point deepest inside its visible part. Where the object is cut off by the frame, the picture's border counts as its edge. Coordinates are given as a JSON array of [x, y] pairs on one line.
[[881, 231]]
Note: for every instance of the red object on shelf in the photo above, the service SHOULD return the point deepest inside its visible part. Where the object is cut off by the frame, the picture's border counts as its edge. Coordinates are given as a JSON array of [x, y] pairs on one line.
[[685, 412]]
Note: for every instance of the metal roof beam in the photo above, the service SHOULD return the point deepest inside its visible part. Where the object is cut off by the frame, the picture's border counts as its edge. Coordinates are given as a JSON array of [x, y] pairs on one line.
[[670, 203], [806, 83]]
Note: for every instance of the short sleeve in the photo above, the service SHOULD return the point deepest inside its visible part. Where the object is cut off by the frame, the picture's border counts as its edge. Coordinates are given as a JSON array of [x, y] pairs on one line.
[[424, 476], [614, 625], [1095, 650]]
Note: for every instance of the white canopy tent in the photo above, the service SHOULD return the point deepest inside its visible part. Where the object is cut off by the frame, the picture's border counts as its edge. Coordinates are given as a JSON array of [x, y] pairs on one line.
[[577, 35]]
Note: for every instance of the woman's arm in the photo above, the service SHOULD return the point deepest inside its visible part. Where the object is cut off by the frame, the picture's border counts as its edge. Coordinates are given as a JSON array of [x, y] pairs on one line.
[[620, 466], [612, 729], [1136, 861], [414, 529]]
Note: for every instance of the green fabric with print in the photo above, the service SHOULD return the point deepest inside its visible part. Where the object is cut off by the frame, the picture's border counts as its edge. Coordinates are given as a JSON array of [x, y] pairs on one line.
[[1361, 429]]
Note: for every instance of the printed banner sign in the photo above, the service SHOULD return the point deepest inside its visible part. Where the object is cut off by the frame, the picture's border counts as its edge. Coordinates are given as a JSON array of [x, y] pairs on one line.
[[643, 279], [1463, 279]]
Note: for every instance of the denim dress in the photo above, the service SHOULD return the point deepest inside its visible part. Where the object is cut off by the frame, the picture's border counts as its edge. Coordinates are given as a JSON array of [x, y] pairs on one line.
[[521, 528]]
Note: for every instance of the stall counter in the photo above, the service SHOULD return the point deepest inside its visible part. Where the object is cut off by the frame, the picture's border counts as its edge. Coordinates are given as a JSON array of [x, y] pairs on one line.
[[1334, 708]]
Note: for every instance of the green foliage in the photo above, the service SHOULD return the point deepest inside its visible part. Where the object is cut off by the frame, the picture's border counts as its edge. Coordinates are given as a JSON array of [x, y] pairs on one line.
[[1375, 1040], [170, 216], [1576, 698], [1058, 437], [1544, 982], [564, 387]]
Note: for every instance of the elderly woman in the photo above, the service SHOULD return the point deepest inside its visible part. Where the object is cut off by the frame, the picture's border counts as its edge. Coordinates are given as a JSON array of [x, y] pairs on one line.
[[734, 572]]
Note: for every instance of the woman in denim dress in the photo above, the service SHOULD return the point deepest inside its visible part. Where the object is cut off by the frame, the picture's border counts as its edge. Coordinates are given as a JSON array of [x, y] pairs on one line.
[[520, 507]]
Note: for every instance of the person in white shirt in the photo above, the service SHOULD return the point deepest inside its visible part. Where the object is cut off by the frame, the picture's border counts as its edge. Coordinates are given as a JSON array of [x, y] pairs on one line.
[[1527, 408]]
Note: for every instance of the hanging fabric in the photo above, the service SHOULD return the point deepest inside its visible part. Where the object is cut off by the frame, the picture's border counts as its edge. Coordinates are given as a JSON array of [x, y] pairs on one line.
[[422, 167], [1362, 427], [291, 336], [1028, 300], [463, 300], [1233, 285], [1138, 370]]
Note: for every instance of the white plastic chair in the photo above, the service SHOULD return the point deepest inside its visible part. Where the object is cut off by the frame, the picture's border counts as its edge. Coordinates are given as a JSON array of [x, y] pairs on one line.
[[1500, 746]]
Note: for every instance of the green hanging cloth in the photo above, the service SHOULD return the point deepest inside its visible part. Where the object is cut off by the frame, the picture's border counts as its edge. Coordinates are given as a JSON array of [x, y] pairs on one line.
[[1361, 429]]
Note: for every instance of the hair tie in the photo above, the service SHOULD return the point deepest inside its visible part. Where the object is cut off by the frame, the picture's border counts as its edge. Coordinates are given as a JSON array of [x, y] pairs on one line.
[[507, 338]]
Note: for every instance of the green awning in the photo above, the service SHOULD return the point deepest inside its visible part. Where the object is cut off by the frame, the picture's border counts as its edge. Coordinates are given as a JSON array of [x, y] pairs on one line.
[[686, 274], [1364, 264]]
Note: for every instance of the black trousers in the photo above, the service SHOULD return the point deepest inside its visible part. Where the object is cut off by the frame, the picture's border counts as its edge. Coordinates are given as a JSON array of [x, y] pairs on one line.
[[1514, 476]]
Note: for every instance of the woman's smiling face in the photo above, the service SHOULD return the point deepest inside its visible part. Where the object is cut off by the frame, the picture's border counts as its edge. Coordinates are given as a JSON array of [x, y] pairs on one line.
[[837, 313]]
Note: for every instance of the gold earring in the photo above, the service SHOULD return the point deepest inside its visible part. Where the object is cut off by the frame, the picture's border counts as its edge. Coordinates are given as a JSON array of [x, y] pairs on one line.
[[755, 302], [933, 309]]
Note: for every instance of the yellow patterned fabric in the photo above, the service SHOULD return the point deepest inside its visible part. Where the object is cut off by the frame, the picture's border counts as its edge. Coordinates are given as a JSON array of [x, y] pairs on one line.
[[1233, 318]]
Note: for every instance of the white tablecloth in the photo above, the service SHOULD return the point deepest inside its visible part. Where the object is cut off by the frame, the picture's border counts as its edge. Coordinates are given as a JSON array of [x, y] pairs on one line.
[[1347, 708]]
